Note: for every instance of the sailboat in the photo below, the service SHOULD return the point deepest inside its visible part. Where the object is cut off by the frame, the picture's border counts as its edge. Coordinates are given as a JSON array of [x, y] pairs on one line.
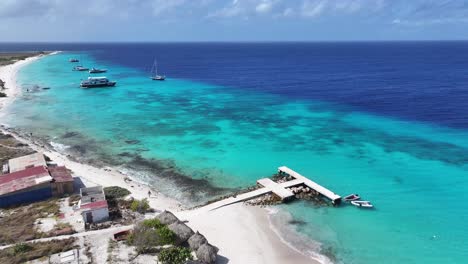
[[154, 73]]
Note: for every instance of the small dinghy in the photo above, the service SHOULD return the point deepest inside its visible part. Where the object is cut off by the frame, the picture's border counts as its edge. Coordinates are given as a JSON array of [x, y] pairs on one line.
[[364, 204], [352, 197]]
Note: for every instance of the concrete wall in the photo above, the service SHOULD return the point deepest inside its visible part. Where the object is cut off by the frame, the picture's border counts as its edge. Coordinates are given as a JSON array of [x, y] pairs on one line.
[[61, 188], [98, 215], [38, 193]]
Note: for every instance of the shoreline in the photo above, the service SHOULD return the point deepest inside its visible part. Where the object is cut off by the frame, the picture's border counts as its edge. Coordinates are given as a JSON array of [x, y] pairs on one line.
[[8, 75], [227, 227]]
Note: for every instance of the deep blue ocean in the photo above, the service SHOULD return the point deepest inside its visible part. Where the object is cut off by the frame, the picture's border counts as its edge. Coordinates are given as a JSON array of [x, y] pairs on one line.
[[387, 120]]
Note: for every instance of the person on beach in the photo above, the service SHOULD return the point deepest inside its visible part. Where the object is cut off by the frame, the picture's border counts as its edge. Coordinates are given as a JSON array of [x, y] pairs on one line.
[[149, 194]]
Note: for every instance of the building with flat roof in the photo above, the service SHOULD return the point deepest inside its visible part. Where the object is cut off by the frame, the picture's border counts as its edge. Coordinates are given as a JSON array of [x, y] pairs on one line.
[[93, 205], [25, 162]]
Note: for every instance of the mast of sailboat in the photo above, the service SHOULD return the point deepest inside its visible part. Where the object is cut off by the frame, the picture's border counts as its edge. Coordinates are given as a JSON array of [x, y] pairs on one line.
[[154, 69]]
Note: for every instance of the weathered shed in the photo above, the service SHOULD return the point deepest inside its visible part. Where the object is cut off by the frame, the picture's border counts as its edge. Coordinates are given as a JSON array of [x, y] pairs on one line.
[[62, 181]]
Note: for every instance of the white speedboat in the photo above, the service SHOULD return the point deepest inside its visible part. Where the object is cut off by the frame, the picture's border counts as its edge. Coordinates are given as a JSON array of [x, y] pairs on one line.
[[363, 204], [352, 197]]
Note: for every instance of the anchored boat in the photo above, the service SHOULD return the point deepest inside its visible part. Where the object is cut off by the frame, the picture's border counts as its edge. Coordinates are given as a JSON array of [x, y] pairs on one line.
[[363, 204], [95, 70], [80, 68], [154, 73], [352, 197], [95, 82], [73, 60]]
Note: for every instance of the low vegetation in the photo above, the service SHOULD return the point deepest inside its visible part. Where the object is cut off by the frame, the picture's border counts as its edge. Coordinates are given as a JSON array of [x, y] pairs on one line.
[[2, 94], [115, 192], [21, 253], [141, 206], [73, 199], [9, 58], [175, 255], [11, 148], [149, 234], [17, 225]]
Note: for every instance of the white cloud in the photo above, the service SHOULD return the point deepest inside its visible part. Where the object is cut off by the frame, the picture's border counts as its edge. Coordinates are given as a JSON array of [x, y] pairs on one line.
[[264, 7], [16, 8], [313, 8], [247, 8], [428, 22], [162, 6]]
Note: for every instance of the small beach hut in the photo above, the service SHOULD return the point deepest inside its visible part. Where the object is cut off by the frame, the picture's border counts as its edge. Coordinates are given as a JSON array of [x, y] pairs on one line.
[[167, 218], [207, 253], [196, 241], [182, 232]]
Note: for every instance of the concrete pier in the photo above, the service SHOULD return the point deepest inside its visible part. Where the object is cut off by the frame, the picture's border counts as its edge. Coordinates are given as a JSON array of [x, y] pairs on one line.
[[279, 189]]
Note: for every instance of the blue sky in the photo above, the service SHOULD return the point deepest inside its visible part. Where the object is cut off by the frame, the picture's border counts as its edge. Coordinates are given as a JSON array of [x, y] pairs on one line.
[[232, 20]]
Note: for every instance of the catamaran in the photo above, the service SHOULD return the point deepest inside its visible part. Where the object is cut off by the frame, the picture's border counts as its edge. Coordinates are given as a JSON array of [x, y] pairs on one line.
[[94, 82], [154, 73]]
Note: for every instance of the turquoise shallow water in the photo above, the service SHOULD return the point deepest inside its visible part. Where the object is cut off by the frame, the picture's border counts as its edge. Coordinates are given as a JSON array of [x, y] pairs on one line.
[[223, 138]]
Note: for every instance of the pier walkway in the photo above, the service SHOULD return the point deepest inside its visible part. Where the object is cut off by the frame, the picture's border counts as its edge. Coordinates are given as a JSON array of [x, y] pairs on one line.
[[279, 189], [335, 198]]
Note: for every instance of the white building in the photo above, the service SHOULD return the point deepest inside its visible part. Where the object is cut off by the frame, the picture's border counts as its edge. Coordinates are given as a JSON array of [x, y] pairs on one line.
[[93, 205]]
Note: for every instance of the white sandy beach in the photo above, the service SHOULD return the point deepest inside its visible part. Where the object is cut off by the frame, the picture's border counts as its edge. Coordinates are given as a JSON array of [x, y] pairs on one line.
[[8, 75], [242, 233]]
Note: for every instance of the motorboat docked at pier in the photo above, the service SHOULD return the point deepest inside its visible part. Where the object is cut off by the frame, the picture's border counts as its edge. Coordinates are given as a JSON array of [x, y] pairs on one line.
[[351, 197], [95, 82], [363, 204], [80, 68], [96, 70]]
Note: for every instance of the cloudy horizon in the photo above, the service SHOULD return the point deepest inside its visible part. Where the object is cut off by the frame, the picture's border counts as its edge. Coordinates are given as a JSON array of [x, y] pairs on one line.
[[232, 20]]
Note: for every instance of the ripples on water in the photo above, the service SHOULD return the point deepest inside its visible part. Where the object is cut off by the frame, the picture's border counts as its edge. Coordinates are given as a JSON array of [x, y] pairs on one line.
[[211, 139]]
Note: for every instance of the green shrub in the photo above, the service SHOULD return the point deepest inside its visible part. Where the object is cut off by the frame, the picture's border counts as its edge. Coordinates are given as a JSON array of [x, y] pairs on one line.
[[144, 239], [153, 223], [140, 206], [115, 192], [21, 248], [175, 255], [166, 236], [3, 94]]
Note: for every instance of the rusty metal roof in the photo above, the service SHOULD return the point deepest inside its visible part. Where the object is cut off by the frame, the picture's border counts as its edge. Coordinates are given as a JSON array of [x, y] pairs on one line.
[[94, 205], [20, 180], [60, 174]]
